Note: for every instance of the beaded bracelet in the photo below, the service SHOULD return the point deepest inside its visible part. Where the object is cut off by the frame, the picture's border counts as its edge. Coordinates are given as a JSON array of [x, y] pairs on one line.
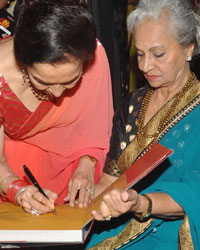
[[3, 181], [14, 189]]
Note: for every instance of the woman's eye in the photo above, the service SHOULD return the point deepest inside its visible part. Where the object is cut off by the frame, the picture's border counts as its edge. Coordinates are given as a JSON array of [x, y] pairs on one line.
[[140, 54], [159, 55]]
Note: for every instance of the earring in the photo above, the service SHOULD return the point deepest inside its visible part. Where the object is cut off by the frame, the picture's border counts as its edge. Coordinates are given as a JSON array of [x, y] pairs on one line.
[[189, 59]]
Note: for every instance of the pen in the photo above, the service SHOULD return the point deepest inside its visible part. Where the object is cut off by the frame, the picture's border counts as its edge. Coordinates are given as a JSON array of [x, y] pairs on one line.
[[35, 183]]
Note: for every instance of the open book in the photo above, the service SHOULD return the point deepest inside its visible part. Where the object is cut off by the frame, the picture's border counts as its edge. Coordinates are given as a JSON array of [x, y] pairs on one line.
[[72, 224]]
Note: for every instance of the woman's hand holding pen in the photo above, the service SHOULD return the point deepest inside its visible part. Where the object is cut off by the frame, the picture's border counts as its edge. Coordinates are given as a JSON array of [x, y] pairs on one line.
[[81, 185], [31, 199]]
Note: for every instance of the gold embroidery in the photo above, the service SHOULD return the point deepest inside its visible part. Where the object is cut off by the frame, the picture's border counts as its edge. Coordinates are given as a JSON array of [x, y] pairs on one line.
[[133, 150], [131, 107], [123, 145], [111, 168], [185, 238], [190, 100], [128, 128], [132, 230], [131, 137], [141, 132]]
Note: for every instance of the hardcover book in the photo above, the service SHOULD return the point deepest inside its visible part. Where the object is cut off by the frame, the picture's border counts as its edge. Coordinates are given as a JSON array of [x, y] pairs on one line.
[[72, 224]]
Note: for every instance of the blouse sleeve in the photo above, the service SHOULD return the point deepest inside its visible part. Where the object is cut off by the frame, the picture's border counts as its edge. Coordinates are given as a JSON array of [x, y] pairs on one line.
[[124, 129]]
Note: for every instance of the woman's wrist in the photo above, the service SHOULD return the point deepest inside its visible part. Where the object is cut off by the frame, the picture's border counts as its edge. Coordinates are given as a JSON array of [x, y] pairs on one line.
[[89, 160], [16, 188], [144, 208], [5, 182]]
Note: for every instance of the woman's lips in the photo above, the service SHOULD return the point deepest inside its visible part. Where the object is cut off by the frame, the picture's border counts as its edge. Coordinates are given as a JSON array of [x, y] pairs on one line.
[[151, 77]]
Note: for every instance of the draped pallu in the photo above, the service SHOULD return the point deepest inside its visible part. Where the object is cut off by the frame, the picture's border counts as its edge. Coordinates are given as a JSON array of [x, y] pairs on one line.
[[178, 176], [51, 139]]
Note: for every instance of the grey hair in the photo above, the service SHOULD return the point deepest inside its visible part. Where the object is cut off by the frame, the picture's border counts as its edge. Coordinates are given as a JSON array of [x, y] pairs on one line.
[[184, 22]]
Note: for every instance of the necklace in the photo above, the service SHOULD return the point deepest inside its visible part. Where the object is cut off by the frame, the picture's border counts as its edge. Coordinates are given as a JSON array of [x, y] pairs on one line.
[[141, 133], [37, 94]]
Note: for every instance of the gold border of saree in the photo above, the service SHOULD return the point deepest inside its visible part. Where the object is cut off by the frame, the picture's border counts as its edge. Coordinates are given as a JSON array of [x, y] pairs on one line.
[[135, 228]]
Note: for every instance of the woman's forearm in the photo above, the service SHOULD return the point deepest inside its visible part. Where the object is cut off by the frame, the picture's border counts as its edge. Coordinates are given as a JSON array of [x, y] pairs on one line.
[[162, 204], [105, 181], [5, 169], [6, 177]]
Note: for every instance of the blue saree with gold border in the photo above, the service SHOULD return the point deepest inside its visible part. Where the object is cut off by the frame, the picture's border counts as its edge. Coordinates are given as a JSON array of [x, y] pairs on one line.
[[178, 176]]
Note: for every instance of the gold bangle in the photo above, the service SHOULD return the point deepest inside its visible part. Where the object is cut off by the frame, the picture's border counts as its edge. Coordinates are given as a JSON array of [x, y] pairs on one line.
[[18, 193], [3, 182]]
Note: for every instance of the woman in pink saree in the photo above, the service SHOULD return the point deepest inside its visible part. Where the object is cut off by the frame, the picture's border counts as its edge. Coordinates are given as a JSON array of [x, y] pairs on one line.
[[55, 106]]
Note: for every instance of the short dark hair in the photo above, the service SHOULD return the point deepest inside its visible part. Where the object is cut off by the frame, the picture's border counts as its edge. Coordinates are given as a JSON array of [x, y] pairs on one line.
[[53, 31]]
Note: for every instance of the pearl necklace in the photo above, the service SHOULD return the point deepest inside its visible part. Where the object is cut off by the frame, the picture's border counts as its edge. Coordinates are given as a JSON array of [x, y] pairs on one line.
[[141, 133], [37, 94]]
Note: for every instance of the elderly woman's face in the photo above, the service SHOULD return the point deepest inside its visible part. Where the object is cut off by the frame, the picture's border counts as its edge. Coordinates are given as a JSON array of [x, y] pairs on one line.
[[160, 57]]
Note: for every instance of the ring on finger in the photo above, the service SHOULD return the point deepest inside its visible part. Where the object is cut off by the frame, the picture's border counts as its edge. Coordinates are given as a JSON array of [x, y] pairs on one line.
[[108, 217], [89, 190], [34, 211]]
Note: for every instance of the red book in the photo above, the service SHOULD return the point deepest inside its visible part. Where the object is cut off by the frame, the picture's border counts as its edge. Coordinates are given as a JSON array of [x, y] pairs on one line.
[[147, 163], [137, 171]]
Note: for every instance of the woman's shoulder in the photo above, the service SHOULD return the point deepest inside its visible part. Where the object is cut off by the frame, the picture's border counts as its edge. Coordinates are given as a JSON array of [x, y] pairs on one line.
[[139, 92], [100, 53], [131, 102], [124, 125]]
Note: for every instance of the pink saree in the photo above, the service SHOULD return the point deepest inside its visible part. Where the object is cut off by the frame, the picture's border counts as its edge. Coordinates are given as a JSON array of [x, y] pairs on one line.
[[51, 140]]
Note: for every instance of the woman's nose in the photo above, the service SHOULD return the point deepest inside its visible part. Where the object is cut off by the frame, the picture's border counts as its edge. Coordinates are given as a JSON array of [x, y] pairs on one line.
[[146, 65], [56, 90]]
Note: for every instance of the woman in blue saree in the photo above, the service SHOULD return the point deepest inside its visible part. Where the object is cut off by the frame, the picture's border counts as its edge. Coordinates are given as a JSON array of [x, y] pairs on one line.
[[162, 211]]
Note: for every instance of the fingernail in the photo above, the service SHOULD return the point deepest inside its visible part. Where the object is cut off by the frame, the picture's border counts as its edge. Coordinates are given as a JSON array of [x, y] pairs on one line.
[[51, 205], [66, 198]]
